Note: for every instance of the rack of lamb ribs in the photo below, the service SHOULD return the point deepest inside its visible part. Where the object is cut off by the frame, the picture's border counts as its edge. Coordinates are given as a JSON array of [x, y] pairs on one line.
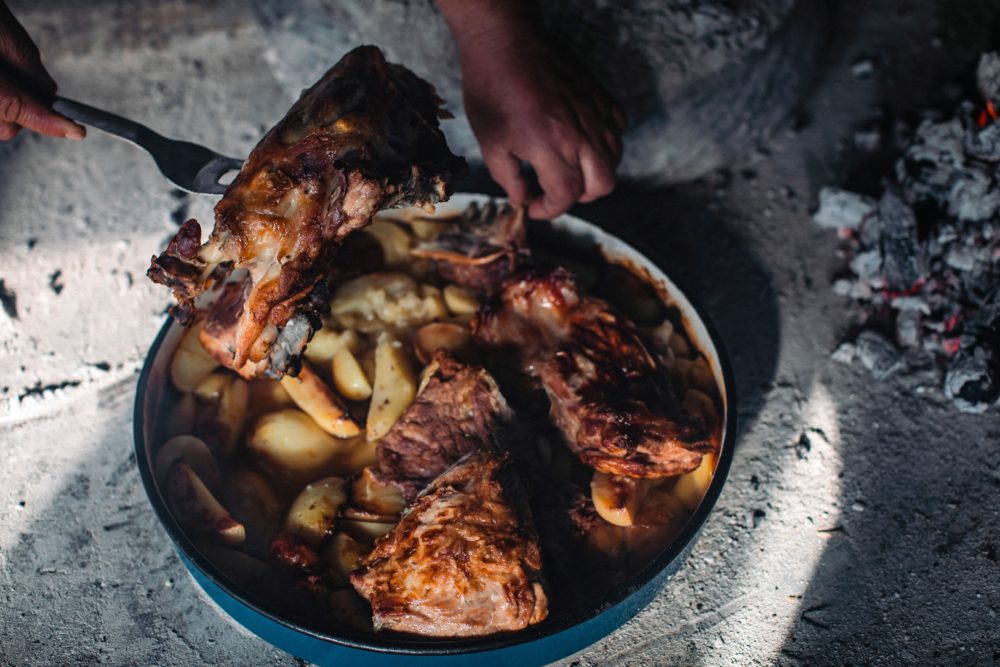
[[364, 138]]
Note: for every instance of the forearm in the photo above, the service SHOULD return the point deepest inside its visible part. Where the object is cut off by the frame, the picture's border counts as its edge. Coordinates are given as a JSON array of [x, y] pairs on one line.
[[488, 25]]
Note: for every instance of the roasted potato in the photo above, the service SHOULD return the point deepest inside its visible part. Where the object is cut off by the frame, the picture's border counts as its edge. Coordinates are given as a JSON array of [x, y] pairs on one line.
[[251, 500], [326, 342], [427, 229], [459, 300], [195, 506], [289, 443], [342, 555], [233, 412], [394, 387], [617, 499], [366, 531], [191, 363], [192, 451], [313, 514], [267, 395], [373, 500], [396, 242], [691, 488], [441, 336], [348, 376], [182, 416], [317, 400], [702, 406]]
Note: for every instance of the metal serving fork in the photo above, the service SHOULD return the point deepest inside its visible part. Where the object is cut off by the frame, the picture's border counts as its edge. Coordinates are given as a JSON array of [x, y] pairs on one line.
[[188, 166]]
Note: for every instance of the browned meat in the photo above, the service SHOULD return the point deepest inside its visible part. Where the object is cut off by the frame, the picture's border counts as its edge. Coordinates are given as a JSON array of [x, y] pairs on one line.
[[487, 246], [463, 561], [609, 397], [459, 411], [364, 138]]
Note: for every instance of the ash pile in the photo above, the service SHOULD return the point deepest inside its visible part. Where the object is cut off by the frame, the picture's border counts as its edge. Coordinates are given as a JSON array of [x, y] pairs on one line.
[[923, 260]]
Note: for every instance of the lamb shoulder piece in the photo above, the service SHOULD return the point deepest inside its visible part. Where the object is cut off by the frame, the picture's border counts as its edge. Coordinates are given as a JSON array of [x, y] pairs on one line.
[[363, 138], [608, 395], [463, 561]]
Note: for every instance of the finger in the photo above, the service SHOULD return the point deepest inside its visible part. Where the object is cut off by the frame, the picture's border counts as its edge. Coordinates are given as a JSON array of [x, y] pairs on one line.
[[602, 137], [18, 107], [505, 169], [561, 181], [8, 130], [598, 175], [20, 56]]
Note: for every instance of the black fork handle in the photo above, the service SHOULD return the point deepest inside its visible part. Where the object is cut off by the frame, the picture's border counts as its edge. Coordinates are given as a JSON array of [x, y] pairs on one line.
[[113, 124]]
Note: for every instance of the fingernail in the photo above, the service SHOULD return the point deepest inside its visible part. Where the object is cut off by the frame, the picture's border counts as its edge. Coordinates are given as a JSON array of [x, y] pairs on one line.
[[76, 132]]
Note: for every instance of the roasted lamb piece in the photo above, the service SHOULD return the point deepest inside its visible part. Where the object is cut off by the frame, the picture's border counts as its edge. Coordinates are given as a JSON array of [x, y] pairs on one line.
[[364, 138], [459, 411], [608, 395], [463, 561], [486, 246]]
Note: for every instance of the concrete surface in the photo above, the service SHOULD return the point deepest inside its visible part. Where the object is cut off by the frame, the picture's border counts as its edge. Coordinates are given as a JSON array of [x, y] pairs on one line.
[[859, 524]]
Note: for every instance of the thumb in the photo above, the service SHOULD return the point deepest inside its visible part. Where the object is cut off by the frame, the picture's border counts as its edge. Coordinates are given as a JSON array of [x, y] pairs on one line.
[[17, 106]]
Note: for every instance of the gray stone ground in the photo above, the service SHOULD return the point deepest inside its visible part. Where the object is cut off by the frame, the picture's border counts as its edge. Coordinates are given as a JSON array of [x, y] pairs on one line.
[[859, 524]]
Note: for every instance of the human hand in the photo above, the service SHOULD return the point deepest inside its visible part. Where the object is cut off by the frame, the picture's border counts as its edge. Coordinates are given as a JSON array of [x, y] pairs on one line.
[[526, 103], [26, 88]]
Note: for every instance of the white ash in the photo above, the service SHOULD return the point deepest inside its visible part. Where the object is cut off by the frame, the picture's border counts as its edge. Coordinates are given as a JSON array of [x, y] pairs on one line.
[[923, 261], [840, 208]]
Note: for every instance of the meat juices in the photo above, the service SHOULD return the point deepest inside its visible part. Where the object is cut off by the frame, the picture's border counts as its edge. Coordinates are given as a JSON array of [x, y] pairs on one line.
[[463, 561], [609, 397], [363, 138]]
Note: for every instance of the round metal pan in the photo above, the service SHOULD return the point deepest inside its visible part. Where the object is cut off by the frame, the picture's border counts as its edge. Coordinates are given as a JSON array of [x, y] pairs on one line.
[[556, 637]]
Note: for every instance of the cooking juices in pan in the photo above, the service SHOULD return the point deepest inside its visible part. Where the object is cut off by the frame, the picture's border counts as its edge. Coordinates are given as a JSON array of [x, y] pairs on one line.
[[284, 497]]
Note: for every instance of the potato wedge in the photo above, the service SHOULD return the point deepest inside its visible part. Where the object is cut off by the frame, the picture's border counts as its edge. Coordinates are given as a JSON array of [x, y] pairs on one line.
[[210, 389], [238, 565], [359, 453], [366, 531], [460, 301], [326, 342], [342, 555], [441, 336], [318, 401], [196, 507], [396, 242], [617, 499], [375, 499], [700, 375], [267, 395], [434, 305], [192, 451], [191, 363], [691, 488], [427, 229], [233, 408], [680, 346], [251, 500], [348, 376], [394, 387], [290, 444], [313, 514], [702, 406], [182, 416]]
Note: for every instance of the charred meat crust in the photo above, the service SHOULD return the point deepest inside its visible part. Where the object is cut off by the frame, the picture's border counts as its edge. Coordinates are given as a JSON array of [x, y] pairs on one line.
[[608, 395], [459, 411], [463, 561], [363, 138], [487, 245]]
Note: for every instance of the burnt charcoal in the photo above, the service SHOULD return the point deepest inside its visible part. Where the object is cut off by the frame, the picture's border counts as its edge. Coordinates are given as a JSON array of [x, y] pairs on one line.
[[845, 353], [983, 144], [868, 266], [877, 354], [862, 69], [839, 209], [908, 328], [970, 383], [973, 195], [988, 76], [903, 260], [929, 166]]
